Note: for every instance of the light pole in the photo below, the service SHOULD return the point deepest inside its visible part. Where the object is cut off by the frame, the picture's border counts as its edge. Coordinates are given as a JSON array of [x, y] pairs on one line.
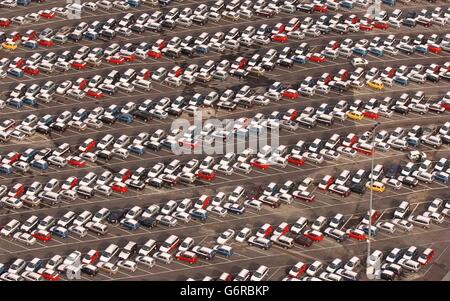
[[371, 190]]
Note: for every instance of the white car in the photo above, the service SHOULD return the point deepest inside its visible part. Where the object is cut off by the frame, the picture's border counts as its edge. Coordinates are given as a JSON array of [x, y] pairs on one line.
[[243, 234], [225, 236]]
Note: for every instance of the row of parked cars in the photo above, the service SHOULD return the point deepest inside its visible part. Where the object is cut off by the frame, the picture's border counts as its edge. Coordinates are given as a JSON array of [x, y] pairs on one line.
[[396, 262], [156, 21]]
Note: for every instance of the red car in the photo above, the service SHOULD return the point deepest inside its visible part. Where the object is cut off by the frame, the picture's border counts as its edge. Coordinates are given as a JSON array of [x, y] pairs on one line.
[[96, 93], [124, 174], [322, 8], [316, 57], [87, 145], [79, 64], [119, 187], [280, 37], [283, 228], [116, 59], [265, 231], [81, 83], [160, 44], [70, 183], [371, 114], [445, 105], [4, 22], [46, 43], [48, 14], [42, 235], [18, 62], [30, 35], [365, 26], [77, 162], [91, 257], [298, 270], [314, 235], [290, 93], [129, 58], [296, 160], [176, 71], [290, 114], [260, 163], [203, 202], [381, 25], [187, 256], [434, 48], [11, 157], [426, 256], [14, 36], [241, 62], [17, 191], [145, 74], [31, 70], [51, 275], [206, 174], [155, 54], [356, 234], [326, 182]]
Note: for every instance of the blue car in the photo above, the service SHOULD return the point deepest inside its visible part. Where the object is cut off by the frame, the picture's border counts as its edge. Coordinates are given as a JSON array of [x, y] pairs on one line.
[[299, 59], [347, 4], [30, 101], [199, 214], [224, 250], [38, 264], [360, 50], [16, 72], [59, 232], [30, 44], [134, 3], [6, 169], [441, 176], [28, 155], [421, 49], [401, 80], [389, 2], [376, 51], [137, 149], [202, 49], [15, 102], [39, 164], [90, 35], [130, 225], [236, 209], [127, 118], [413, 141]]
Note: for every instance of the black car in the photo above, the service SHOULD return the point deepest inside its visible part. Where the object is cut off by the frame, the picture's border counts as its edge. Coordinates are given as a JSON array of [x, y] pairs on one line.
[[227, 105], [116, 215], [393, 171], [148, 222], [89, 270], [108, 119], [358, 188], [43, 129], [306, 8], [136, 184], [143, 115], [400, 109], [153, 145], [288, 63], [170, 24], [105, 155], [303, 241], [60, 127]]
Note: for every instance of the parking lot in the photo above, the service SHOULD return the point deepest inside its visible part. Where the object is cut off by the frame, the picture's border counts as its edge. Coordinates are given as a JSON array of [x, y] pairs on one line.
[[278, 260]]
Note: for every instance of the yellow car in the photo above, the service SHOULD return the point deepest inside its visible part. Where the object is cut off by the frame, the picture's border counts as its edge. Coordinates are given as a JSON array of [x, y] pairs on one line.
[[355, 115], [376, 84], [376, 186], [9, 45]]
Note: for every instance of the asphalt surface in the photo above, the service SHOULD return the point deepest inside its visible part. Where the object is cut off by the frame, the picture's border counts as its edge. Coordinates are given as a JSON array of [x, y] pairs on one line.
[[277, 259]]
